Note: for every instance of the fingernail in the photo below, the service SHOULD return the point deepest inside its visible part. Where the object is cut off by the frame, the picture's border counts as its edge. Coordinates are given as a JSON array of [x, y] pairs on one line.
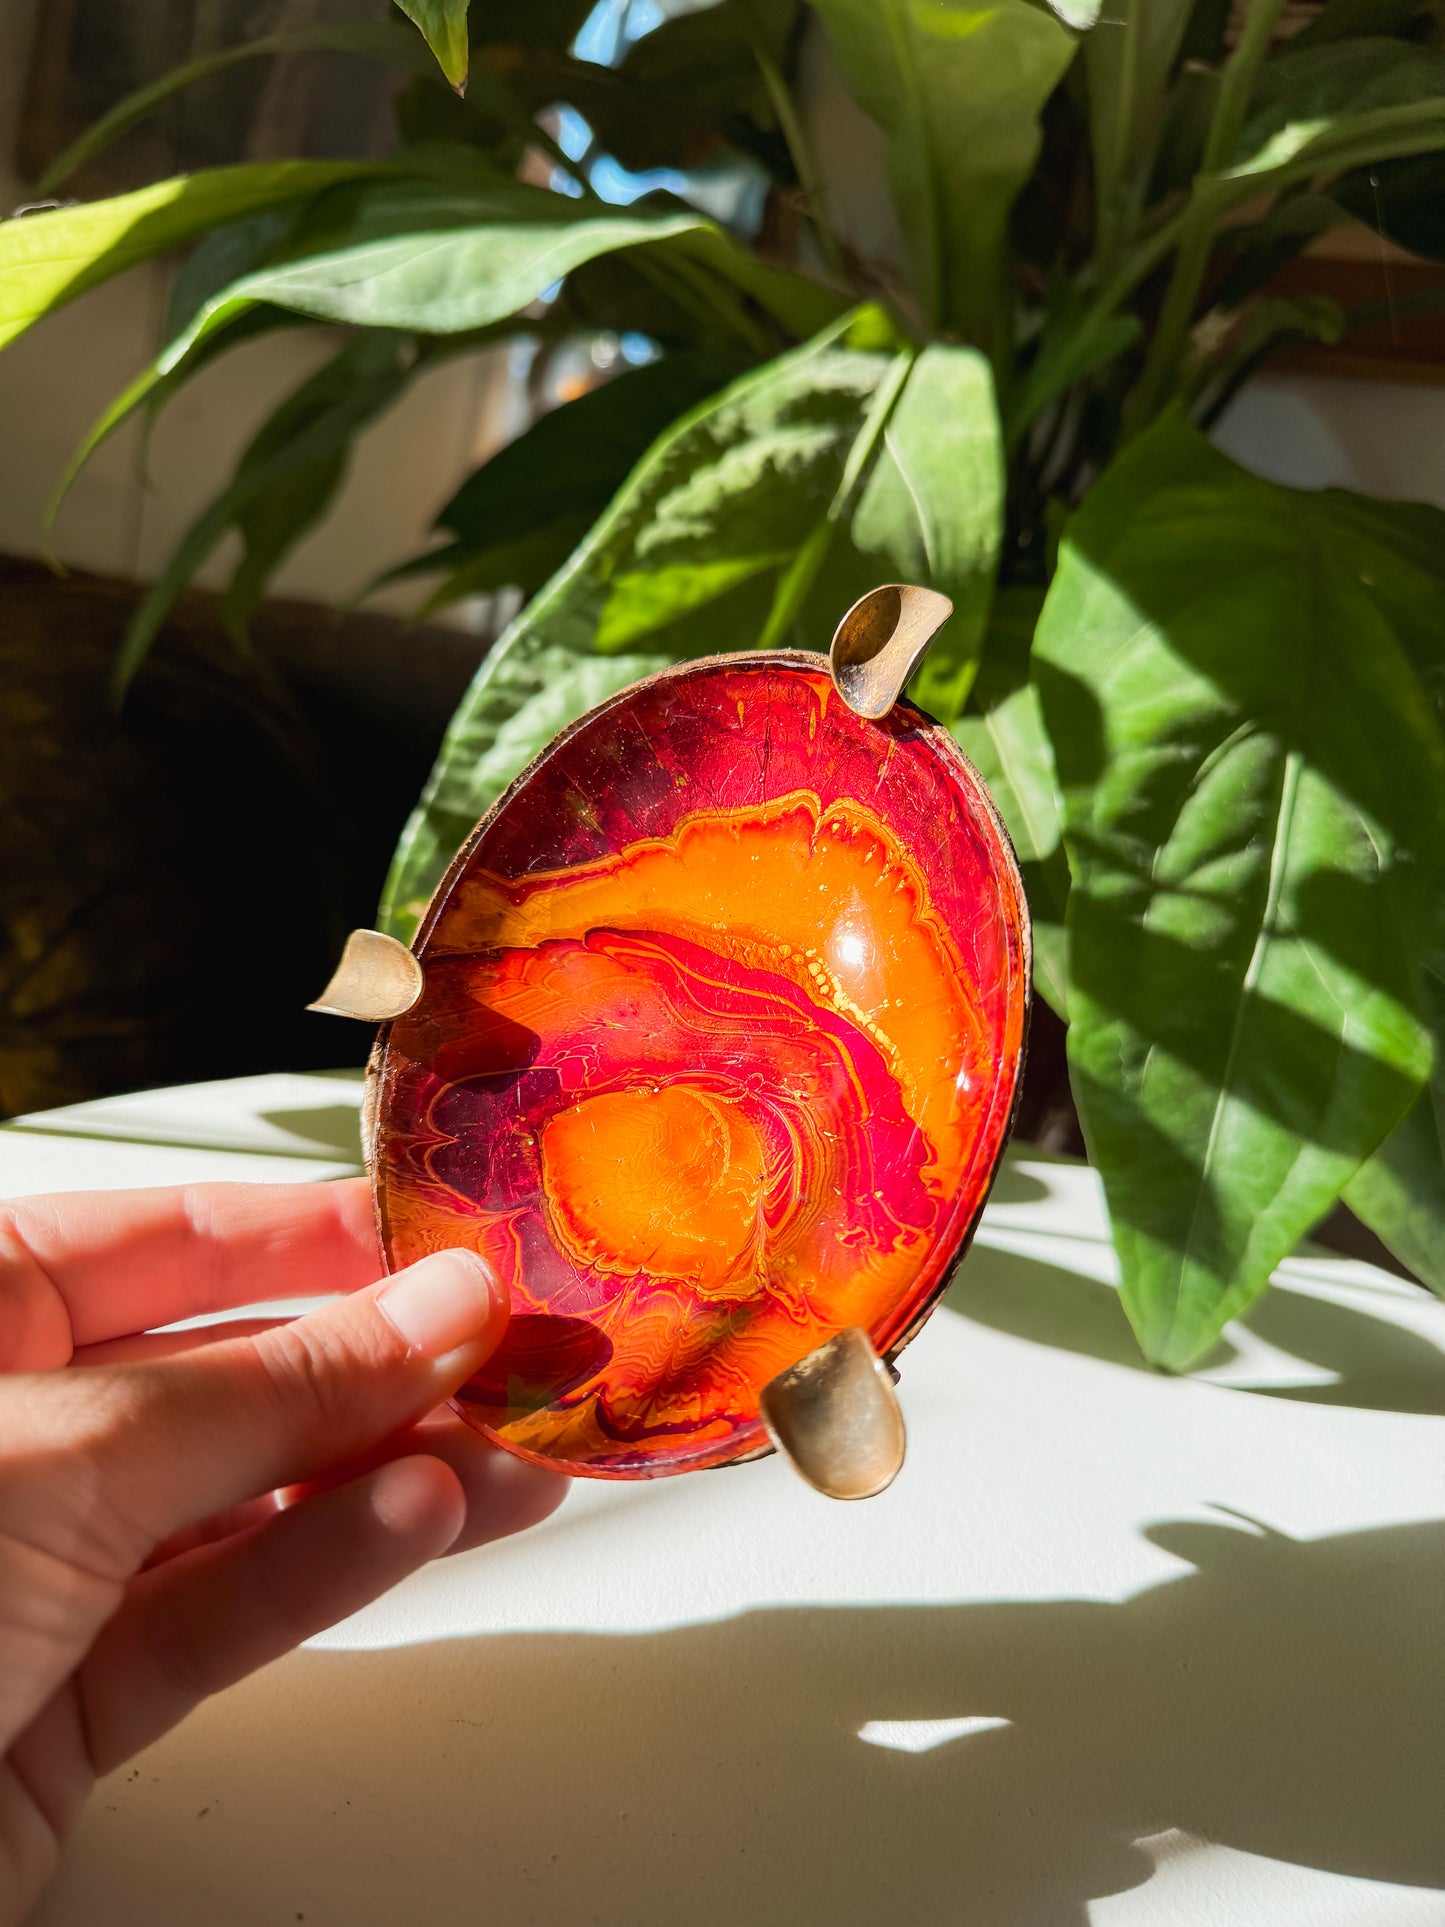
[[444, 1301]]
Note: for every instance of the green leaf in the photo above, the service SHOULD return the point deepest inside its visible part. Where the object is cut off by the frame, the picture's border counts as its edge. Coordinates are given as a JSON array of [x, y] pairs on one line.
[[281, 486], [1323, 85], [744, 476], [1252, 787], [1192, 106], [270, 528], [803, 306], [932, 511], [324, 415], [696, 79], [1127, 69], [715, 541], [610, 295], [1002, 733], [1072, 348], [1305, 149], [49, 259], [447, 256], [519, 517], [958, 87], [443, 26], [640, 290], [439, 258], [376, 39], [1400, 1192], [223, 256]]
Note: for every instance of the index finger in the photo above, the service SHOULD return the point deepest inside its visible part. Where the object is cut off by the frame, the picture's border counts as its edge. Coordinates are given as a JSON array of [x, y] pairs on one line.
[[77, 1268]]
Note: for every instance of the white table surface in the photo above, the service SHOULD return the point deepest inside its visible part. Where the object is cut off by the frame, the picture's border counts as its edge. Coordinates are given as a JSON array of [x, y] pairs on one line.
[[1115, 1648]]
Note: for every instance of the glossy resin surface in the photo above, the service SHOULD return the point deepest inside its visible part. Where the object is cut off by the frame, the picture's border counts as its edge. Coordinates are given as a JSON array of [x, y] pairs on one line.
[[723, 1015]]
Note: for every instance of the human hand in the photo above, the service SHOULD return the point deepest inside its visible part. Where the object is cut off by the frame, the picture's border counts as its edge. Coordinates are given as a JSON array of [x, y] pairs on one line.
[[191, 1505]]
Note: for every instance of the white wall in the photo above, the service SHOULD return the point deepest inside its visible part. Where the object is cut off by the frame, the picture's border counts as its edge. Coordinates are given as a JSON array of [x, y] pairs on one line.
[[1383, 438], [124, 518]]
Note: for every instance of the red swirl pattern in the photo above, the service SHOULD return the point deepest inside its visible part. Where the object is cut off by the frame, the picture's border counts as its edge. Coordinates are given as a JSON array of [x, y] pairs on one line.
[[723, 1014]]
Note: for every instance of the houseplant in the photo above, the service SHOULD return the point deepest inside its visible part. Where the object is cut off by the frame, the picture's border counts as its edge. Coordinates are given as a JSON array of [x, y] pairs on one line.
[[1209, 707]]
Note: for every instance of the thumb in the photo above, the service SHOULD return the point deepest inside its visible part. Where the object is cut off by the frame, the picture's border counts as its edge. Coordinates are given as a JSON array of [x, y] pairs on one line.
[[169, 1443]]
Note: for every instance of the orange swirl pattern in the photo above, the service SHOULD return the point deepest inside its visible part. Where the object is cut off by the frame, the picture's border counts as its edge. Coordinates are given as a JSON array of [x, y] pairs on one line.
[[723, 1014]]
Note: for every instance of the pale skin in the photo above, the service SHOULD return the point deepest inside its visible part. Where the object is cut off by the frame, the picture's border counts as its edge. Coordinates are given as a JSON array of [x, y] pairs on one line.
[[176, 1511]]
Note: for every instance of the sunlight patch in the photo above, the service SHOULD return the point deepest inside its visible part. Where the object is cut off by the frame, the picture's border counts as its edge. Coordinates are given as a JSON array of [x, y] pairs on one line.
[[921, 1736]]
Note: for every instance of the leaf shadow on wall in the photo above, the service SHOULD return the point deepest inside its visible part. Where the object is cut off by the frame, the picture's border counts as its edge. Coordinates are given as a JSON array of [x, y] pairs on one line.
[[1280, 1697]]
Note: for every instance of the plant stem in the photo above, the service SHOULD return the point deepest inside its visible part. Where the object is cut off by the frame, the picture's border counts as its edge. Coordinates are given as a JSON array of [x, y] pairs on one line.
[[805, 161], [879, 415], [1171, 336], [794, 584], [1392, 133], [1052, 373], [668, 282], [798, 578], [931, 224], [1115, 135], [1123, 124], [1237, 83], [705, 296], [1141, 263], [719, 298]]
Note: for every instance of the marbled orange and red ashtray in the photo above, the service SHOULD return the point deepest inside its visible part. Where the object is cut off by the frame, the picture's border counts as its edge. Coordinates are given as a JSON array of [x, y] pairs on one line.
[[722, 1019]]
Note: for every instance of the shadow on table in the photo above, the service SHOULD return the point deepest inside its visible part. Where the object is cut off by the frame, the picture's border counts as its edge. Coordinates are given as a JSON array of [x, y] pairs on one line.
[[332, 1128], [1013, 1186], [1378, 1365], [1279, 1697]]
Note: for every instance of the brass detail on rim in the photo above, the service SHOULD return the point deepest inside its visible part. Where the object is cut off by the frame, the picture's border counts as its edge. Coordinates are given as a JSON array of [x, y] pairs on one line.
[[836, 1416], [377, 978], [881, 641]]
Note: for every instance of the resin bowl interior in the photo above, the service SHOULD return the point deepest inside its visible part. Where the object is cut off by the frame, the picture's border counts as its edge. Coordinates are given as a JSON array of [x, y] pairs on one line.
[[723, 1014]]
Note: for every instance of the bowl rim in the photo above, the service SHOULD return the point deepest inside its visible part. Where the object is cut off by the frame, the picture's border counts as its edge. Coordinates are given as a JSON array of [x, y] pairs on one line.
[[941, 740]]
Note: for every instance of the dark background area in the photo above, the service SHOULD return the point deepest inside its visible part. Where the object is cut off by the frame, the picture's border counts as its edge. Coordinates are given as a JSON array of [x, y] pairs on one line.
[[89, 54], [177, 877]]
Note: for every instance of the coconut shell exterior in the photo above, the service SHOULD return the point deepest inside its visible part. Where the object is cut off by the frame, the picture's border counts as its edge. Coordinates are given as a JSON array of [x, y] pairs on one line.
[[724, 1013]]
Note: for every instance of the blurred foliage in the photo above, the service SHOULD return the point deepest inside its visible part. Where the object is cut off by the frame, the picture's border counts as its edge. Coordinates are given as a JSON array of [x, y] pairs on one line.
[[1207, 705]]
